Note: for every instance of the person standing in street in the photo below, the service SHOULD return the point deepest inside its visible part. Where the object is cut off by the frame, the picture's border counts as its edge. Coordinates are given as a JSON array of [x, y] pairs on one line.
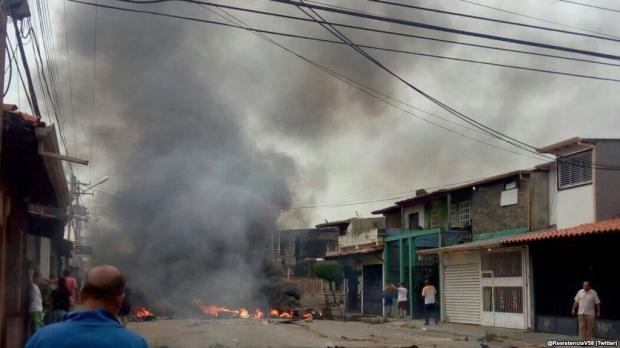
[[96, 326], [402, 299], [71, 285], [35, 310], [429, 293], [61, 301], [388, 299], [587, 307]]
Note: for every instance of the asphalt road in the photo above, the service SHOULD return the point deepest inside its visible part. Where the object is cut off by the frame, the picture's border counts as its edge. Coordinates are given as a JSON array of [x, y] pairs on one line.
[[220, 333]]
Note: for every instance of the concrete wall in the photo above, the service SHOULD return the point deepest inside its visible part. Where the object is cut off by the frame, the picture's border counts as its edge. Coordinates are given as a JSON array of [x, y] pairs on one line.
[[418, 208], [489, 216], [355, 239], [574, 206], [607, 182], [539, 196]]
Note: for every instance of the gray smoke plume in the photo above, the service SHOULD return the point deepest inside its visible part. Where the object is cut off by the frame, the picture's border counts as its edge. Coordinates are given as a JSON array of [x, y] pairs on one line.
[[210, 134]]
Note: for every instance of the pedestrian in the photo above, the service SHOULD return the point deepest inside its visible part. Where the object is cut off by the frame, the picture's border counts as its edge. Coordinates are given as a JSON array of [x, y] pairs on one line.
[[71, 285], [123, 313], [388, 299], [587, 307], [61, 301], [96, 326], [402, 299], [429, 293], [35, 310]]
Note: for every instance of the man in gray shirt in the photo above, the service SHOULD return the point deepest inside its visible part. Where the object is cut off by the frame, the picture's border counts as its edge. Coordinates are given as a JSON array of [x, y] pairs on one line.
[[587, 306]]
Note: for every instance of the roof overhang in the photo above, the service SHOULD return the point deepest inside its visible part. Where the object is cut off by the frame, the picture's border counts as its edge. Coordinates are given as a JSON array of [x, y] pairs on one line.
[[472, 246], [600, 227], [386, 210], [574, 144], [48, 143]]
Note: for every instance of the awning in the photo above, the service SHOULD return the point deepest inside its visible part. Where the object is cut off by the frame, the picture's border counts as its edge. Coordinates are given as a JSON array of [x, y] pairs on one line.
[[607, 226], [356, 252], [478, 245]]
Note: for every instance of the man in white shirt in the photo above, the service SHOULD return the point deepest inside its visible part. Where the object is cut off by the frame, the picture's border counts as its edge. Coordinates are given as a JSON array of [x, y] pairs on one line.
[[35, 309], [402, 299], [587, 306], [429, 292]]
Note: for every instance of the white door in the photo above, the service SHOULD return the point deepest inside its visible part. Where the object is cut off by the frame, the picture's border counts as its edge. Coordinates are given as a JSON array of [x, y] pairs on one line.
[[502, 289], [461, 288]]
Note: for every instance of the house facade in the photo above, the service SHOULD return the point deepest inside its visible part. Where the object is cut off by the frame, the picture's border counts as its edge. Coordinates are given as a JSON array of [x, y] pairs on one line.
[[360, 249], [465, 220], [33, 203]]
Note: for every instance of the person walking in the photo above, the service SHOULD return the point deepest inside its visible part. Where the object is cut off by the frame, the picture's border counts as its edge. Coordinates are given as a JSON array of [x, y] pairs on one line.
[[61, 301], [388, 299], [35, 309], [429, 293], [402, 299], [587, 307], [72, 286], [96, 326]]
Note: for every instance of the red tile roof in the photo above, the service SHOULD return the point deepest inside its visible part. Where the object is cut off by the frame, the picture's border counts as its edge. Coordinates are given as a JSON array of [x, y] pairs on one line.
[[607, 226], [12, 108]]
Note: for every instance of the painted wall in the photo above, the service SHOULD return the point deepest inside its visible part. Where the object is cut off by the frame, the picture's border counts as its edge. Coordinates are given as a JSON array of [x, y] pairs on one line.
[[607, 182], [358, 238], [419, 208], [574, 206], [539, 196]]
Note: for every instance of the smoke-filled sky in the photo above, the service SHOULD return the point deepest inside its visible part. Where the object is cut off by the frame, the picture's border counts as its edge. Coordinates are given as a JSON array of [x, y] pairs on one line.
[[342, 144], [212, 136]]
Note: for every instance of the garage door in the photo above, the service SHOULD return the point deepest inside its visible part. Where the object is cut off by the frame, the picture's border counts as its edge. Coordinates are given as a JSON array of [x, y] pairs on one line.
[[462, 293]]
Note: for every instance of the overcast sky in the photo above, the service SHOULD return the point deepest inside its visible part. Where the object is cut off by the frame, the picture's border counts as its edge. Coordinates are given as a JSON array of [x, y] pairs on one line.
[[345, 145]]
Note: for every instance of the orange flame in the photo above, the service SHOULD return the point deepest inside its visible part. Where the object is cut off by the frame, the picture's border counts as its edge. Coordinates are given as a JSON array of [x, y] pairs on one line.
[[307, 315], [273, 313], [286, 315], [243, 313], [258, 314], [143, 313]]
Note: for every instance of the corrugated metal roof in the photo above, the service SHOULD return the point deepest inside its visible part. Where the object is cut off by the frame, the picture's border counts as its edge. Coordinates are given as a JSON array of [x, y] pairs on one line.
[[607, 226]]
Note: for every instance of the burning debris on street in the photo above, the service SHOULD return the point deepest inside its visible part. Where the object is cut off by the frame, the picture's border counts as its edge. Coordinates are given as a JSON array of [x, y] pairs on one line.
[[221, 312]]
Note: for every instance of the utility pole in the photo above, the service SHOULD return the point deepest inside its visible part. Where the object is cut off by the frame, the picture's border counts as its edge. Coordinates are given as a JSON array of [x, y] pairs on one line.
[[78, 212]]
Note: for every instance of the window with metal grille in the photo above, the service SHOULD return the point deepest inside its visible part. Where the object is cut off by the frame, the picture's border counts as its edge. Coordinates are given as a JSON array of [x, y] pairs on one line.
[[465, 213], [504, 299], [460, 214], [499, 265], [575, 169]]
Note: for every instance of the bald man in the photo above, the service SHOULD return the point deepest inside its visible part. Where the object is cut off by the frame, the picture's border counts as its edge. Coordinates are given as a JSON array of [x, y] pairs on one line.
[[96, 326]]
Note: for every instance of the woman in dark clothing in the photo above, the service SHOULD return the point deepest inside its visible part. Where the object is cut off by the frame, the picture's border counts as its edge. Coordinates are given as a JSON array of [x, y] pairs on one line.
[[123, 313], [61, 300]]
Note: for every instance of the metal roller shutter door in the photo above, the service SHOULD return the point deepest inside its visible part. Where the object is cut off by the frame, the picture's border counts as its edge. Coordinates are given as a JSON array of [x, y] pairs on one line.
[[462, 293]]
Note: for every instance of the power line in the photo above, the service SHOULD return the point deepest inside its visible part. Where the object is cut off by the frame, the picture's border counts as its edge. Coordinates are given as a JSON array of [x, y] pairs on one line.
[[589, 5], [365, 89], [510, 66], [497, 134], [33, 96], [64, 4], [359, 86], [530, 26], [538, 18], [19, 73], [386, 19], [438, 28], [356, 27]]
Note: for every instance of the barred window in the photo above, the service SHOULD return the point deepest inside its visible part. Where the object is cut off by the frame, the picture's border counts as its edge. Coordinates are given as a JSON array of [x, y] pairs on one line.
[[504, 299], [575, 169], [499, 265], [460, 214]]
